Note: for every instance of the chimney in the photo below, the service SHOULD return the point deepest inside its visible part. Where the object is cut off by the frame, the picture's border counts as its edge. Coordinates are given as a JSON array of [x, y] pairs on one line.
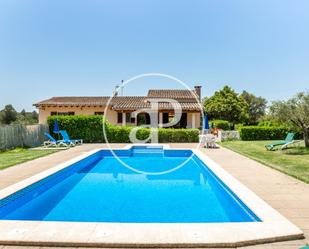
[[115, 92], [198, 91], [118, 88]]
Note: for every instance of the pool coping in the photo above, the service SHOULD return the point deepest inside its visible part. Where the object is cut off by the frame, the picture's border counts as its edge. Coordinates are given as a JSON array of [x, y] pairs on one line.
[[274, 227]]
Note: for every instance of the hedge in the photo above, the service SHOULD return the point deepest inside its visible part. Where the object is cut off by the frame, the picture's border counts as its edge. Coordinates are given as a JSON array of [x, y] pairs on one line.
[[270, 123], [263, 133], [220, 124], [90, 129], [120, 134], [86, 127], [167, 135]]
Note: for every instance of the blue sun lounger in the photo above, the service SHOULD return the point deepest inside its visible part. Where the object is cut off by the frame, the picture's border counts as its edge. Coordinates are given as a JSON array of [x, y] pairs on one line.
[[68, 140], [52, 141]]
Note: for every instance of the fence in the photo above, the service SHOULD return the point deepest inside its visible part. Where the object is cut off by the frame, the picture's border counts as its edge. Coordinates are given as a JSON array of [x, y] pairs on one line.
[[12, 136], [228, 135]]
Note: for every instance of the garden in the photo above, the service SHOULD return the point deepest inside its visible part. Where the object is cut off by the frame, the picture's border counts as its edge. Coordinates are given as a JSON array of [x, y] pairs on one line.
[[293, 161], [258, 124], [20, 155], [255, 122]]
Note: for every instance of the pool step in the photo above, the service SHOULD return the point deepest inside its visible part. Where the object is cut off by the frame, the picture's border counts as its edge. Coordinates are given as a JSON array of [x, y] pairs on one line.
[[154, 152]]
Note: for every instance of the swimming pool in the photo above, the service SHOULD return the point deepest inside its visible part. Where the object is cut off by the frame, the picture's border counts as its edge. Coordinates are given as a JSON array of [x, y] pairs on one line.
[[185, 199], [101, 189]]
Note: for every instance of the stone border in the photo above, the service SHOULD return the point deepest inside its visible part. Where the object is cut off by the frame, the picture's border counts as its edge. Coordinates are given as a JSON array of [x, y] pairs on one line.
[[274, 227]]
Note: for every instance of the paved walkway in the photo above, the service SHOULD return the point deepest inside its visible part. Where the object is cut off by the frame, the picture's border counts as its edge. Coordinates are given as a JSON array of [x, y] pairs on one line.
[[287, 195], [284, 193]]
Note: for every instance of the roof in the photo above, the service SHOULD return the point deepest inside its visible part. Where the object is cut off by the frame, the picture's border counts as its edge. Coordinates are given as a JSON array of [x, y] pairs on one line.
[[135, 105], [172, 93], [186, 98], [73, 101]]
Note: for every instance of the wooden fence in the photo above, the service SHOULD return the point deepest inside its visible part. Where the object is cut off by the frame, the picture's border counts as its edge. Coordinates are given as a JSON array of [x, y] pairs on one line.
[[12, 136]]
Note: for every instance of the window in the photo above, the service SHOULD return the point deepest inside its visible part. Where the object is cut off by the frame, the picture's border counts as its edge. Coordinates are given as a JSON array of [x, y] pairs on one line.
[[119, 117], [165, 117], [171, 117], [98, 113], [62, 113], [128, 117], [143, 118]]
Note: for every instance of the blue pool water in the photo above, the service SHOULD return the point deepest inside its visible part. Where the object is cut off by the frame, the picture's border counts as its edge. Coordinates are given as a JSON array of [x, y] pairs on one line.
[[100, 189]]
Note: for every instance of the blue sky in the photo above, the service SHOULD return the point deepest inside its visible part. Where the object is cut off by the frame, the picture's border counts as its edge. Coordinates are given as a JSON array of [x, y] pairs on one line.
[[76, 48]]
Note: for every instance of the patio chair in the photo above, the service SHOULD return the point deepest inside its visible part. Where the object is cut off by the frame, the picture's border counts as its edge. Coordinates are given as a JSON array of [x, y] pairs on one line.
[[208, 141], [284, 143], [67, 139], [52, 141]]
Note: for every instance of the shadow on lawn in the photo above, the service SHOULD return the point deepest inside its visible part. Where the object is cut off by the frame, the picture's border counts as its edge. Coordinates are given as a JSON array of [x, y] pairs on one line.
[[296, 151]]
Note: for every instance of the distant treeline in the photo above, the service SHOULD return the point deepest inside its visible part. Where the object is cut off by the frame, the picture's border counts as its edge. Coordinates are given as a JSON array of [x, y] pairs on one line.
[[9, 115]]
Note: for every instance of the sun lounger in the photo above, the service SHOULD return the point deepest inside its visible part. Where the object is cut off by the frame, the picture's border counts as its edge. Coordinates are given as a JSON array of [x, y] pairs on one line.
[[68, 140], [284, 143], [52, 141]]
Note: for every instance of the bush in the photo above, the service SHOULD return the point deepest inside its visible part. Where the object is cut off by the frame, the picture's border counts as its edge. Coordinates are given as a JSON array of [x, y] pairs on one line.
[[270, 123], [117, 134], [238, 126], [90, 129], [220, 124], [86, 127], [263, 132], [178, 135]]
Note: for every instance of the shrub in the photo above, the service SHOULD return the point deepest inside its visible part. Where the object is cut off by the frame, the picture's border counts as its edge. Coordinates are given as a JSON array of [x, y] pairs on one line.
[[269, 123], [263, 132], [220, 124], [86, 127], [178, 135], [117, 134], [238, 126], [90, 129]]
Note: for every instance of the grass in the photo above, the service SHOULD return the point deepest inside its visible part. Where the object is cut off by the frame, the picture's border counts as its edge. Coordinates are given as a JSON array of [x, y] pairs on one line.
[[12, 157], [293, 161]]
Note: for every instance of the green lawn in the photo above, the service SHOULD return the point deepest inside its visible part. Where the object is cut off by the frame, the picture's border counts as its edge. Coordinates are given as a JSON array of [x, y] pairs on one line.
[[293, 161], [19, 155]]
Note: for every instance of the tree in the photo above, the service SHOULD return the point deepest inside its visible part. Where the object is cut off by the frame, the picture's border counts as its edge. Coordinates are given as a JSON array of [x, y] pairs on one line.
[[23, 112], [257, 106], [35, 116], [294, 111], [8, 115], [227, 105]]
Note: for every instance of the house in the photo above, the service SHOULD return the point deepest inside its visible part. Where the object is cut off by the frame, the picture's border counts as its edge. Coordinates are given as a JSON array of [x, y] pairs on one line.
[[120, 108]]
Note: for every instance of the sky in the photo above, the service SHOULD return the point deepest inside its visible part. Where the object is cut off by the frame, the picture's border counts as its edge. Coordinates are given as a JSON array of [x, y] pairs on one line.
[[84, 48]]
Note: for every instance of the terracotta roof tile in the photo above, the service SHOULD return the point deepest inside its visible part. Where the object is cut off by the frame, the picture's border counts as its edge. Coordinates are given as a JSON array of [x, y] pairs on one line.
[[185, 97], [73, 101], [172, 93], [129, 103]]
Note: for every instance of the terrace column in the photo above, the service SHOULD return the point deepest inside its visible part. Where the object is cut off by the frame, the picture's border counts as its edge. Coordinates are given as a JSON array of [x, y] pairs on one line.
[[123, 119], [160, 119], [193, 120]]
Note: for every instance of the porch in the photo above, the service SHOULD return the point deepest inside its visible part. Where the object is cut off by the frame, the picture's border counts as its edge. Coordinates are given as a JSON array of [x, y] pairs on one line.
[[187, 120]]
